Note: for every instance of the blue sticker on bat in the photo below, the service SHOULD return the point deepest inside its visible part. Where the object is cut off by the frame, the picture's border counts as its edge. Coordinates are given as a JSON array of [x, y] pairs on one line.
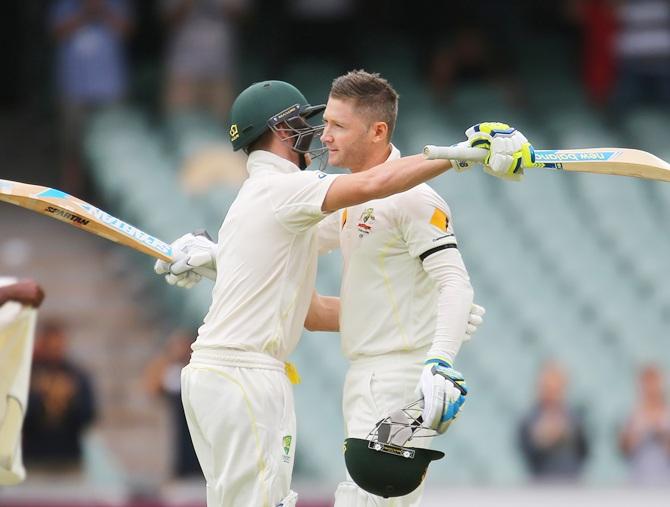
[[127, 229], [52, 192], [6, 185], [558, 156]]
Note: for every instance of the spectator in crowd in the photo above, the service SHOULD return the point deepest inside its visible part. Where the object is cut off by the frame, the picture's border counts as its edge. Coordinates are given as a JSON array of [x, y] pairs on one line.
[[642, 46], [201, 53], [91, 70], [552, 436], [61, 405], [598, 23], [26, 292], [466, 58], [645, 439], [163, 377]]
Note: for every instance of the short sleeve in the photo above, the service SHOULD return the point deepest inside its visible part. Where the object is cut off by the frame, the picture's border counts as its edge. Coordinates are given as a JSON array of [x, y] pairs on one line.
[[425, 222], [298, 198], [329, 233]]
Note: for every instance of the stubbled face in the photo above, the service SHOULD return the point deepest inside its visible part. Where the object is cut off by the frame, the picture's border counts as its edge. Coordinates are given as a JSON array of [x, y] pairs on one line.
[[347, 134]]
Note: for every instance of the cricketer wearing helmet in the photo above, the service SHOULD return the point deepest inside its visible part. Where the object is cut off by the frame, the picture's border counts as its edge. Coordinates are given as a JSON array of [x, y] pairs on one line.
[[236, 391], [405, 297]]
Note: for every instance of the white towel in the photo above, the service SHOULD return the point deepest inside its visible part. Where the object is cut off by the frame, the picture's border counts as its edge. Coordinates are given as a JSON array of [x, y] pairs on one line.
[[17, 328]]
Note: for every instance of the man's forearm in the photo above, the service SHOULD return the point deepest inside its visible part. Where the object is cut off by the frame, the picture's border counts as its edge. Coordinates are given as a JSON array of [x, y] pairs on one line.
[[400, 175], [5, 294], [323, 314], [385, 179], [454, 302]]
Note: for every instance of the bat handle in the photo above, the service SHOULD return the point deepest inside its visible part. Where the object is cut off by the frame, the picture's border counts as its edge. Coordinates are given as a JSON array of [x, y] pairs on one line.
[[464, 153]]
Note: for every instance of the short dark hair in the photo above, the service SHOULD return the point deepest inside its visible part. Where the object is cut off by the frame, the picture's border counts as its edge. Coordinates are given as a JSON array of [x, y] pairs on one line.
[[371, 92]]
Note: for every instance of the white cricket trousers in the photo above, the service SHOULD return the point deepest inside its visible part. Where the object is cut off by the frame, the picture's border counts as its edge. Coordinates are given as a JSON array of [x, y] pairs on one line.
[[373, 388], [240, 413]]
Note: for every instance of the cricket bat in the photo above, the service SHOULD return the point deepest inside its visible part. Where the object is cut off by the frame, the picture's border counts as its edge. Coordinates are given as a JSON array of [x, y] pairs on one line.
[[71, 210], [617, 161]]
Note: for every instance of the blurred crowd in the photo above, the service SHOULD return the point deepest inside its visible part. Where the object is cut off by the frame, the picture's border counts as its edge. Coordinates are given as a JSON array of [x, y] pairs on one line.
[[554, 436], [186, 55]]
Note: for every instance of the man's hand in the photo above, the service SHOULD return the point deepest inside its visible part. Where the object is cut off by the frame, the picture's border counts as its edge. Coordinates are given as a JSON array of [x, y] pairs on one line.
[[443, 390], [462, 165], [509, 150], [26, 292], [475, 320], [190, 251]]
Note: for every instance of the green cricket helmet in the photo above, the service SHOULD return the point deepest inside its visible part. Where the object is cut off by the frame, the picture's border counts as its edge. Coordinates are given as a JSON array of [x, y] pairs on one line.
[[277, 106], [382, 463]]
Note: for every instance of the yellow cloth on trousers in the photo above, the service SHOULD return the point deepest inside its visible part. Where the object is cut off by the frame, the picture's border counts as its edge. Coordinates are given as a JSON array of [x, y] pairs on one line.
[[292, 373]]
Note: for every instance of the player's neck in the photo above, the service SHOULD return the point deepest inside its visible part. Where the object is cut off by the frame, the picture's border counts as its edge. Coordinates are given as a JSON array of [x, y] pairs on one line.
[[282, 149], [376, 157]]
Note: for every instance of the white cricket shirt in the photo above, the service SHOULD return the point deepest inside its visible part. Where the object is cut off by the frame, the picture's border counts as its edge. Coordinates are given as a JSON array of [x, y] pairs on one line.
[[266, 259], [387, 301]]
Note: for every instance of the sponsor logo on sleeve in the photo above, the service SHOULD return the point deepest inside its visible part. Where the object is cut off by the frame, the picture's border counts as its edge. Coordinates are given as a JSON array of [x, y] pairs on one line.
[[440, 220]]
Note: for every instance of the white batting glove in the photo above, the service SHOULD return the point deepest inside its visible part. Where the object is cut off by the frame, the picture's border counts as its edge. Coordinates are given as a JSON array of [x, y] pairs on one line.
[[509, 150], [443, 390], [190, 252], [475, 320]]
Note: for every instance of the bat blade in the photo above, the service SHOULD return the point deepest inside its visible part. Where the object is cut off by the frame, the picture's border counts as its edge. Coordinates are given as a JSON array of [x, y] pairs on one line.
[[71, 210], [616, 161]]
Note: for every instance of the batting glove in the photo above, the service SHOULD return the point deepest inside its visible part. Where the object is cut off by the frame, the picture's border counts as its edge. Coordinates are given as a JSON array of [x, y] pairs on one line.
[[443, 390], [509, 150], [191, 252], [475, 320]]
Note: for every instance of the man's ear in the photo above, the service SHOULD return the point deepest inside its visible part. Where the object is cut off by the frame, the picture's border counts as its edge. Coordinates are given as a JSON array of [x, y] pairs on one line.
[[282, 131], [380, 131]]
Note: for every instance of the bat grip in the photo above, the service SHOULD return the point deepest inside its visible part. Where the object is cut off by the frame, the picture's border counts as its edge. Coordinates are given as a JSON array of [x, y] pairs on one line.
[[464, 153]]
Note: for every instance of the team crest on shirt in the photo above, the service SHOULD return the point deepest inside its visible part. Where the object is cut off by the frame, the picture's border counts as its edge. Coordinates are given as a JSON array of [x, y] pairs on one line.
[[366, 221], [286, 444]]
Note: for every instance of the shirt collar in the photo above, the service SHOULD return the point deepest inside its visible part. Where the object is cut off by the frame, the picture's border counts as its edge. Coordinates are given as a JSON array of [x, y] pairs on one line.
[[261, 161], [395, 154]]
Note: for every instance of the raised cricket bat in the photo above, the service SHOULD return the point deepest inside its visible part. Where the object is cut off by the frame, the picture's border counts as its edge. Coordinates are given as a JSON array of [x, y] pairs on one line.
[[617, 161], [71, 210]]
